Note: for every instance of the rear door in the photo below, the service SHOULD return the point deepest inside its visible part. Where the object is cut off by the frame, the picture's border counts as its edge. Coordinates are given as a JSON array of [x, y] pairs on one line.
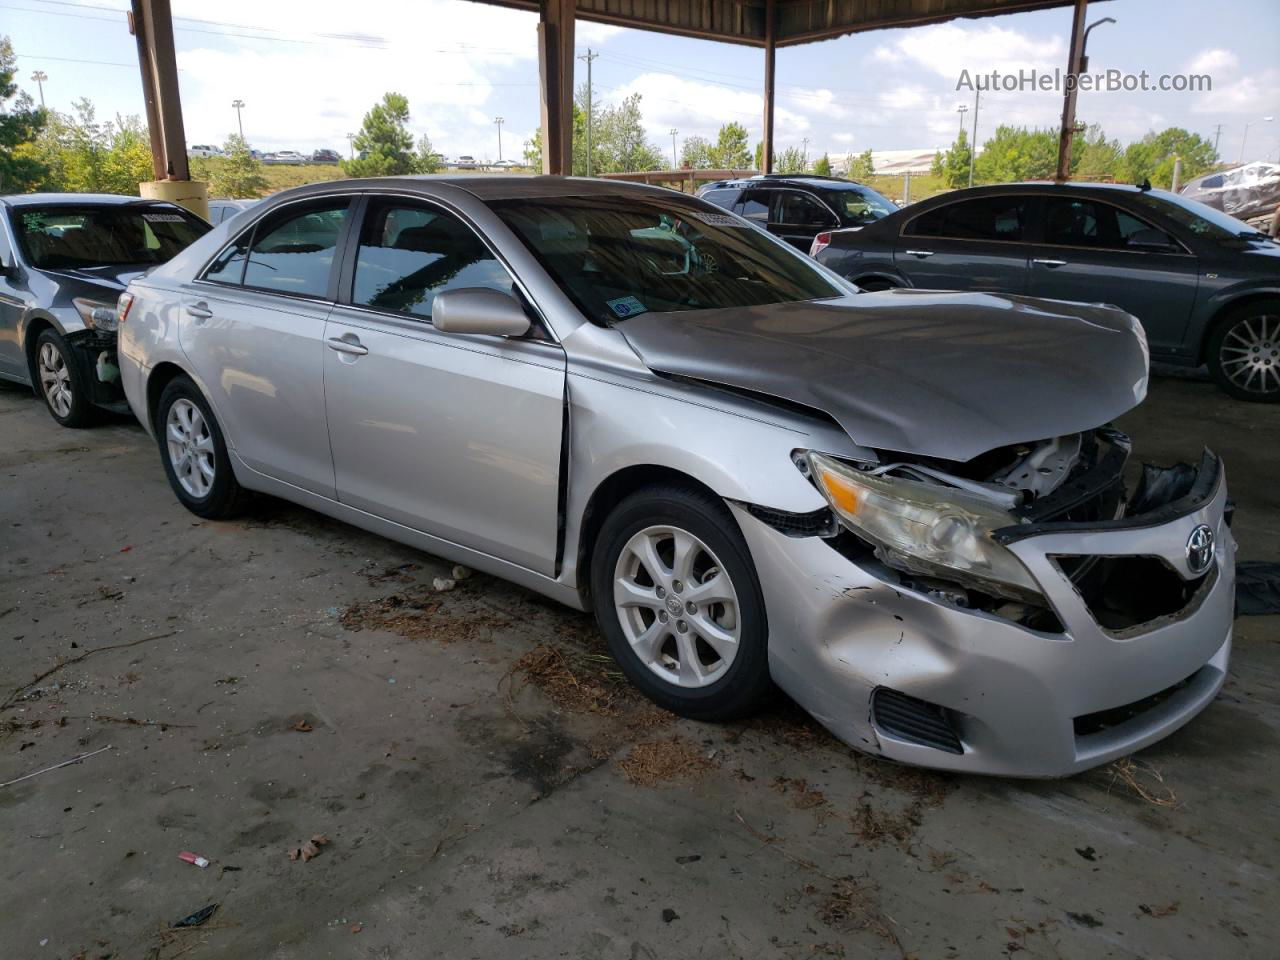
[[457, 436], [973, 244], [754, 206], [13, 303], [253, 330], [1097, 252], [797, 217]]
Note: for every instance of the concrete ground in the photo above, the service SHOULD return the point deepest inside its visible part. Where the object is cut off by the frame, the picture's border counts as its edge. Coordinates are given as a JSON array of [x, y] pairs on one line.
[[488, 789]]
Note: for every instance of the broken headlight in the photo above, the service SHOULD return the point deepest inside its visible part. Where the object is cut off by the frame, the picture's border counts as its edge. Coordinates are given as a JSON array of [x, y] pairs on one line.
[[97, 315], [925, 528]]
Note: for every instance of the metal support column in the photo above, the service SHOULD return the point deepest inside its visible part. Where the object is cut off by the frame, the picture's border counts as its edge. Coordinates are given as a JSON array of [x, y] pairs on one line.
[[158, 165], [770, 55], [1074, 68], [555, 71]]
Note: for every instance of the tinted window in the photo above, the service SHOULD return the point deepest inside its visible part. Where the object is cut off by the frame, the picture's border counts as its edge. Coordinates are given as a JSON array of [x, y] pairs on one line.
[[754, 206], [136, 234], [984, 218], [410, 254], [1088, 223], [228, 266], [859, 205], [619, 256], [800, 208], [293, 250], [721, 198]]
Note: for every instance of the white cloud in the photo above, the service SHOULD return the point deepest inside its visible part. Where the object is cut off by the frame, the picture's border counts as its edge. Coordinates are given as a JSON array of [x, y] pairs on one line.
[[950, 48], [1213, 61]]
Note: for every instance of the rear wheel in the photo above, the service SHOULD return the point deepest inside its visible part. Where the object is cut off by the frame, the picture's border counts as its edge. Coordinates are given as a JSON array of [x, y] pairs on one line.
[[61, 382], [194, 452], [680, 605], [1244, 352]]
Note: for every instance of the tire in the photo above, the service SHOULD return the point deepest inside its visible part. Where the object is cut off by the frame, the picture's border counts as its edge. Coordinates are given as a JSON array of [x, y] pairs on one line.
[[875, 284], [1243, 352], [61, 382], [194, 452], [679, 668]]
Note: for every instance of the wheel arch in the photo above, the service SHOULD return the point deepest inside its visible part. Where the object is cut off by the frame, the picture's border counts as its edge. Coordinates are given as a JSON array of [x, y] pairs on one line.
[[31, 331], [163, 374], [1225, 310]]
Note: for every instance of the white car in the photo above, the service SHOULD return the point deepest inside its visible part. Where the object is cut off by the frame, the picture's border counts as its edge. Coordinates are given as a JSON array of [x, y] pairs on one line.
[[204, 150], [290, 156]]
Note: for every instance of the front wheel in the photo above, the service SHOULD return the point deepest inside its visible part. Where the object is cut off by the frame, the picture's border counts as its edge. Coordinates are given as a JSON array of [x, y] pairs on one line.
[[194, 452], [1244, 352], [680, 605], [62, 382]]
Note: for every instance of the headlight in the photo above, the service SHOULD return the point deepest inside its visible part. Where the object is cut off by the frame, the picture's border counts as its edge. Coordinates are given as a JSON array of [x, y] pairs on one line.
[[938, 530], [96, 314]]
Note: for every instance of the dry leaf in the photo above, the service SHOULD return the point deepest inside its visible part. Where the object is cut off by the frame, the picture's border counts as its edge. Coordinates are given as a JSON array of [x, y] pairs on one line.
[[309, 849]]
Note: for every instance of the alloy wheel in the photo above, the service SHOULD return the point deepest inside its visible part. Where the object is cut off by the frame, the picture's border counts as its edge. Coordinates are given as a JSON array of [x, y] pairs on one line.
[[677, 606], [190, 446], [1250, 354], [55, 379]]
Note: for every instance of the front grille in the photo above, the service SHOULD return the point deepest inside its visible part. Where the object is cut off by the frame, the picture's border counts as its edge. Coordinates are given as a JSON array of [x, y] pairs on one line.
[[1128, 593], [819, 523], [1092, 723], [913, 720]]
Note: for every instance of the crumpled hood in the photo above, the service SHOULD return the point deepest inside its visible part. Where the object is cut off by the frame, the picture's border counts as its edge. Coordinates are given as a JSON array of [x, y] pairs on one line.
[[948, 375]]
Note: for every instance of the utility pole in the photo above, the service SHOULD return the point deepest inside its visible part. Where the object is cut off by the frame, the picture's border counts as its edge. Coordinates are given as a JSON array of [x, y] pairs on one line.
[[40, 77], [1245, 139], [962, 110], [499, 122], [973, 147], [675, 161], [804, 154], [1217, 135], [351, 145], [239, 104], [588, 57]]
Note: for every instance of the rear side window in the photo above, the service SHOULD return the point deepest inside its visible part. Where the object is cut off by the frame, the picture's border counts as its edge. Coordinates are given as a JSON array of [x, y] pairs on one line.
[[409, 254], [1089, 223], [721, 198], [293, 250], [983, 218], [754, 205]]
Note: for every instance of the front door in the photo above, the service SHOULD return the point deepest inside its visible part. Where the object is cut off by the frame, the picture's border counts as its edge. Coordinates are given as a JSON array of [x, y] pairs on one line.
[[1095, 252], [14, 300], [253, 329], [453, 435], [798, 217], [975, 244]]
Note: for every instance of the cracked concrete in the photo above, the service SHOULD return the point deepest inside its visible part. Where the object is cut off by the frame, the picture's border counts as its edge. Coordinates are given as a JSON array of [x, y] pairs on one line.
[[466, 824]]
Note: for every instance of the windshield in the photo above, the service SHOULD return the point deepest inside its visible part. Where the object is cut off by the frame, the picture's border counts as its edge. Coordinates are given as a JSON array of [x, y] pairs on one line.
[[62, 236], [859, 205], [618, 256], [1201, 219]]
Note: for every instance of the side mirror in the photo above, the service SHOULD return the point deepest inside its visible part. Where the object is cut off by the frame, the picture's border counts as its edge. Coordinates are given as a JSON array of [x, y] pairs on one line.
[[478, 310]]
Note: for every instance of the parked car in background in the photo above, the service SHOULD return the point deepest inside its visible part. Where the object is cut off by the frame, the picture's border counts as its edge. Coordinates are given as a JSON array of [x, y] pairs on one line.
[[505, 164], [64, 260], [798, 208], [1205, 286], [905, 509], [204, 150], [292, 157], [331, 157], [466, 162], [1245, 192], [220, 210]]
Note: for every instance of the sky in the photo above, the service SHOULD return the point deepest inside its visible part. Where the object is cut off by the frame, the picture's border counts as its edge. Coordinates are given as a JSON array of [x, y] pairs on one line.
[[309, 69]]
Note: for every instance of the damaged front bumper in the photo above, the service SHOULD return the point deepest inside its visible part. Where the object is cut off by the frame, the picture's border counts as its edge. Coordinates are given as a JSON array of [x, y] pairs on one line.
[[94, 351], [912, 676]]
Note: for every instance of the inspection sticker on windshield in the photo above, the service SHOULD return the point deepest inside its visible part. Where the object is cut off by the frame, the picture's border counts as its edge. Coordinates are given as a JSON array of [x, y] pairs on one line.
[[626, 306], [162, 217], [716, 219]]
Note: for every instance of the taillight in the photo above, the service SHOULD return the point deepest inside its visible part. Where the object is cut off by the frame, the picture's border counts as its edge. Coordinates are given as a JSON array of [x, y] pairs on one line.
[[820, 243], [123, 306]]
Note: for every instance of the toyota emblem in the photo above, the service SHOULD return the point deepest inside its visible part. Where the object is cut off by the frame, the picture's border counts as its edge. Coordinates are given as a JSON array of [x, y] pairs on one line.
[[1200, 549]]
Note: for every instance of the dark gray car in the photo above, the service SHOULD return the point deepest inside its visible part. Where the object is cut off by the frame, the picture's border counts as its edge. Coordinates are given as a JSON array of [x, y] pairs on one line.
[[1205, 286], [64, 261]]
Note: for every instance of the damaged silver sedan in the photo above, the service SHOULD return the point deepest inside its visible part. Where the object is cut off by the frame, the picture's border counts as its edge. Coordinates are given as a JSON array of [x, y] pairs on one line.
[[907, 509]]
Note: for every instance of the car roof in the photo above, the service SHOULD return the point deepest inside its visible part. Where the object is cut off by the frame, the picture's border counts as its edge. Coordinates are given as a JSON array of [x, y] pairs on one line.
[[491, 187], [73, 199]]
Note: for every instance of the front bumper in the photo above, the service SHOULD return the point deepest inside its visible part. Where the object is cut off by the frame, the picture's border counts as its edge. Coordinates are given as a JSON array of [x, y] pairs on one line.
[[1021, 702]]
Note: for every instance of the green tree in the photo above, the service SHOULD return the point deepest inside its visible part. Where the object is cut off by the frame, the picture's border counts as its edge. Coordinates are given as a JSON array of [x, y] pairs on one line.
[[822, 166], [955, 165], [384, 145], [695, 153], [1018, 153], [791, 160], [1152, 157], [81, 155], [936, 168], [1100, 158], [621, 142], [20, 124], [730, 150], [238, 174], [426, 160], [860, 167]]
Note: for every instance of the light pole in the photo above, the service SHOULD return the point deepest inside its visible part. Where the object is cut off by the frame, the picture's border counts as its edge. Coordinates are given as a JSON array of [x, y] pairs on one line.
[[675, 161], [804, 154], [239, 105], [40, 77], [498, 121], [1245, 139], [973, 147], [590, 104], [351, 145], [962, 110]]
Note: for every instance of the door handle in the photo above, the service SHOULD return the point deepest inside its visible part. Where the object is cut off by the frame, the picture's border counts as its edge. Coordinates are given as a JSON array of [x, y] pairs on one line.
[[352, 346], [1050, 263], [920, 253], [199, 310]]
